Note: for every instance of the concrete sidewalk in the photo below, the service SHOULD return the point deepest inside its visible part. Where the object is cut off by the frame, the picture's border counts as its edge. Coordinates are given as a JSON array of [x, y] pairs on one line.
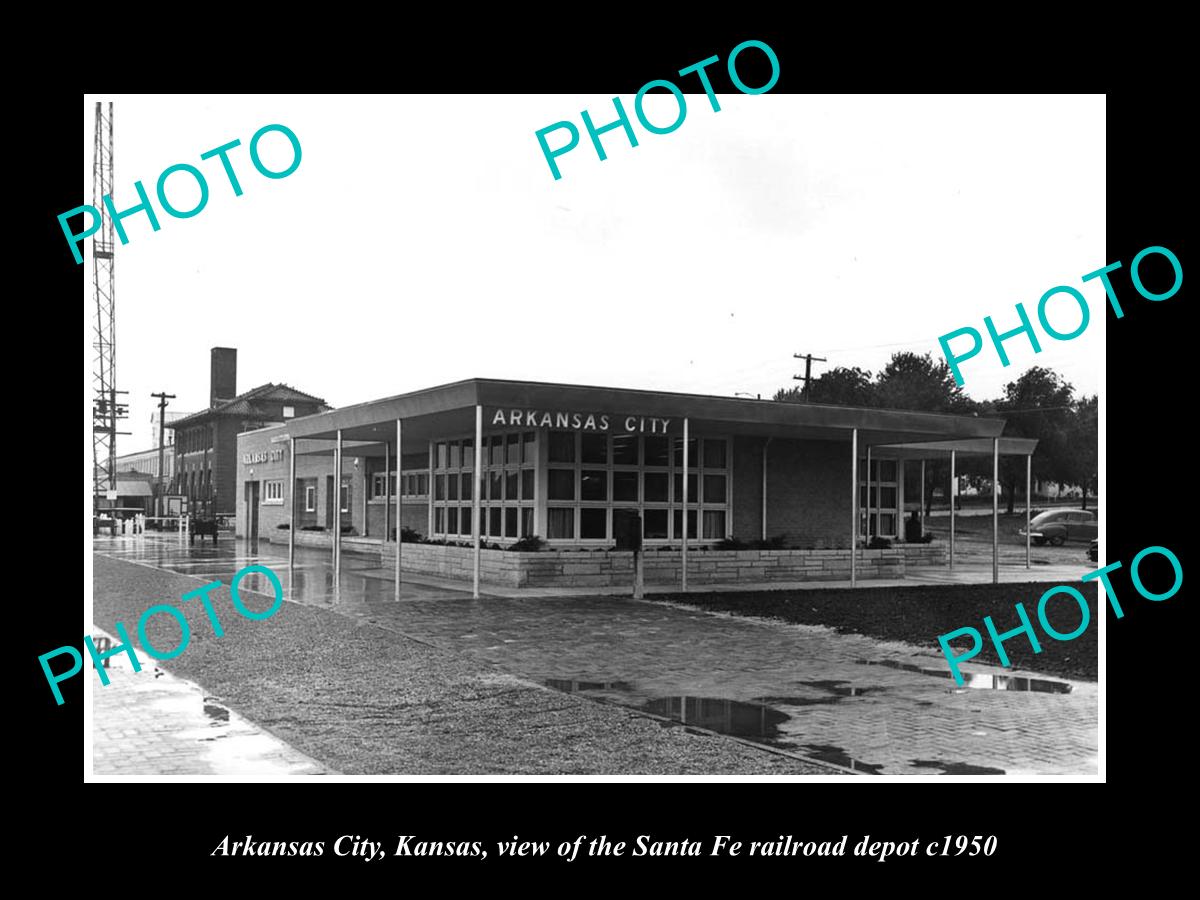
[[150, 723]]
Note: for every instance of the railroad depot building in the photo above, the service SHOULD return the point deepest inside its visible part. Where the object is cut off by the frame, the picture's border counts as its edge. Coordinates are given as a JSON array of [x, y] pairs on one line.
[[584, 467]]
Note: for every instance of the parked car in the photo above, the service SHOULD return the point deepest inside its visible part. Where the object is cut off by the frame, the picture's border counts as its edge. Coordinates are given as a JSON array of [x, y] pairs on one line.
[[1057, 526], [1094, 550]]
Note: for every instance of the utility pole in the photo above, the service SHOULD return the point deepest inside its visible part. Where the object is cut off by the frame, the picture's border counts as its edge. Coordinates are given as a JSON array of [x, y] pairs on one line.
[[807, 376], [162, 397]]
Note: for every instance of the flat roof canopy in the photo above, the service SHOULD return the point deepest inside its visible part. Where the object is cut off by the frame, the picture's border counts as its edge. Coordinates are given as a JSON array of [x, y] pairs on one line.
[[450, 409], [965, 447]]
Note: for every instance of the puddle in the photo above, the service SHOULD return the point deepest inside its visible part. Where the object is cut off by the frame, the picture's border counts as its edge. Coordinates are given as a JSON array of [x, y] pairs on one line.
[[955, 768], [756, 721], [219, 713], [980, 680]]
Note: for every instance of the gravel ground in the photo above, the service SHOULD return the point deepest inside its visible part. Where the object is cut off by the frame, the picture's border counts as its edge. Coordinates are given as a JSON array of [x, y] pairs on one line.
[[365, 700], [918, 614]]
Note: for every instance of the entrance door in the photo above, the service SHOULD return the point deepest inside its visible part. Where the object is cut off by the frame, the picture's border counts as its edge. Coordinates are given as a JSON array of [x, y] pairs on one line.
[[252, 488]]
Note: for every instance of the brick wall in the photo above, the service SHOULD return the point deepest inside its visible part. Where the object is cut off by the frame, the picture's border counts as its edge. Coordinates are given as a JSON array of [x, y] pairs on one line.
[[747, 488], [808, 493]]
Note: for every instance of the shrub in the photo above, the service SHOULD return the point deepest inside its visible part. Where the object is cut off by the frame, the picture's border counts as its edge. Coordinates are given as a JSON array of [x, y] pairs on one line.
[[284, 526], [407, 535], [313, 528], [731, 544], [879, 543], [530, 544]]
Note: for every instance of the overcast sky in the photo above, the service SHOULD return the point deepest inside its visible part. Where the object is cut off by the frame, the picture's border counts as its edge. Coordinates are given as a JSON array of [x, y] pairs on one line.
[[423, 240]]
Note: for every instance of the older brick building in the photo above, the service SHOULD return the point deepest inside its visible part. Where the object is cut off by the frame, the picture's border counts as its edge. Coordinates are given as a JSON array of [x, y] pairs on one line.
[[206, 443]]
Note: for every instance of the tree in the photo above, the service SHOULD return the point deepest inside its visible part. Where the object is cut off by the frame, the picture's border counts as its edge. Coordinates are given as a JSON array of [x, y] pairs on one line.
[[918, 381], [1082, 445], [1038, 405], [840, 386]]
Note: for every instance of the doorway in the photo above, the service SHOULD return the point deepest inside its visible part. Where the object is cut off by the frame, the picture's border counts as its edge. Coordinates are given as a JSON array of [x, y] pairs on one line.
[[252, 488]]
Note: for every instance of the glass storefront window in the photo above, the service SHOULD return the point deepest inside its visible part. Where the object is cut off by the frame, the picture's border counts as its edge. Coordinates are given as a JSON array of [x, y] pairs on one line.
[[678, 523], [528, 477], [455, 455], [714, 524], [466, 485], [693, 454], [594, 449], [657, 451], [451, 520], [494, 514], [560, 522], [451, 487], [625, 450], [526, 521], [497, 454], [654, 488], [562, 484], [440, 486], [514, 449], [654, 524], [529, 451], [714, 489], [714, 454], [466, 521], [562, 446], [496, 485], [593, 524], [693, 496], [625, 486], [593, 485], [510, 484], [442, 455]]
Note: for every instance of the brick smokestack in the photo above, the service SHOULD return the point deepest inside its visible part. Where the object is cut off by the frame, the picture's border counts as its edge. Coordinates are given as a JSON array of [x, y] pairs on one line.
[[223, 377]]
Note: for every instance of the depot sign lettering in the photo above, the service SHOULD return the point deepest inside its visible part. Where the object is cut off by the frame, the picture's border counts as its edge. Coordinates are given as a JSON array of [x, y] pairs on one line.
[[262, 456], [575, 421]]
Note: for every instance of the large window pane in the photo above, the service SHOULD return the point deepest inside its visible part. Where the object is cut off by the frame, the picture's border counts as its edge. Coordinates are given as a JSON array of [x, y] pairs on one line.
[[497, 454], [467, 477], [561, 523], [451, 487], [693, 497], [714, 488], [529, 451], [593, 524], [887, 470], [657, 451], [562, 484], [593, 485], [655, 487], [510, 521], [494, 521], [693, 458], [887, 497], [440, 482], [526, 521], [562, 446], [496, 485], [654, 524], [510, 484], [594, 449], [441, 456], [714, 524], [455, 455], [714, 454], [625, 486], [678, 533], [514, 449], [465, 521], [887, 524], [439, 520], [527, 483], [468, 454], [625, 450], [451, 520]]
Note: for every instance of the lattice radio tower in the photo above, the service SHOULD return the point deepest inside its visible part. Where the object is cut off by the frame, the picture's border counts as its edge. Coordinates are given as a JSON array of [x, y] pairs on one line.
[[106, 411]]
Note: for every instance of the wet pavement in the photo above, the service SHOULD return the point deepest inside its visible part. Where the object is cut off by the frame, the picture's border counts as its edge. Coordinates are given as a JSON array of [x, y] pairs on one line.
[[858, 702], [152, 723]]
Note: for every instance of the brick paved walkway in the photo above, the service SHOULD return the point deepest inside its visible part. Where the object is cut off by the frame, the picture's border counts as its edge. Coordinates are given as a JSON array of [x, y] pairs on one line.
[[880, 707], [151, 723]]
